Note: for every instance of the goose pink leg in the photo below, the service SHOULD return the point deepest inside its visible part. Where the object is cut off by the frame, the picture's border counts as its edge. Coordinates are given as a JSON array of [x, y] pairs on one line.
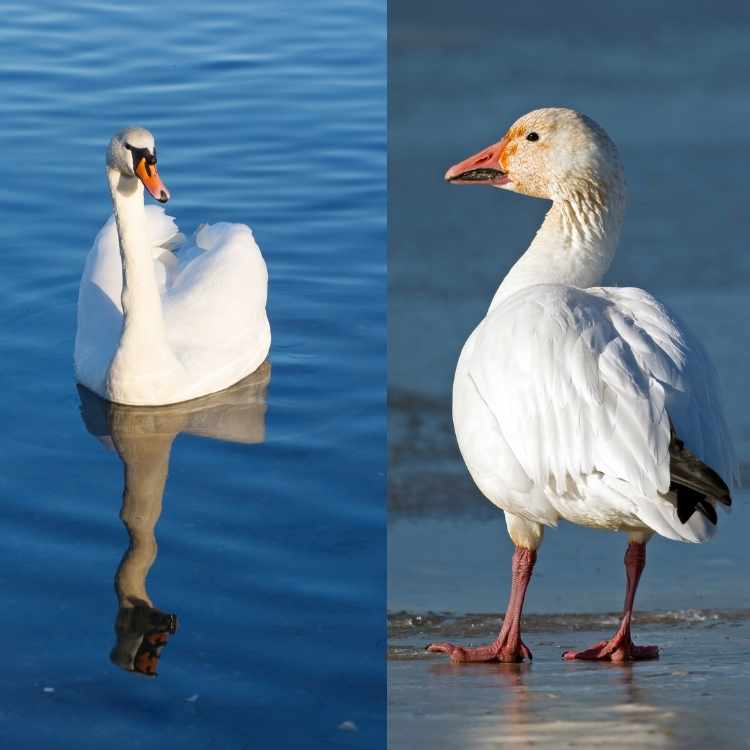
[[508, 646], [621, 647]]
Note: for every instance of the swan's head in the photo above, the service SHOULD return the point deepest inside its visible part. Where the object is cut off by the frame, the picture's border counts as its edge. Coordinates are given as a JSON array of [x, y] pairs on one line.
[[132, 153], [547, 153]]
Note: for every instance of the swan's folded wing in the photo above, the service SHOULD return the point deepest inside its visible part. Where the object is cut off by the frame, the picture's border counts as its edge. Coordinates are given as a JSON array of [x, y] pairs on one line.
[[217, 298], [162, 229], [588, 379]]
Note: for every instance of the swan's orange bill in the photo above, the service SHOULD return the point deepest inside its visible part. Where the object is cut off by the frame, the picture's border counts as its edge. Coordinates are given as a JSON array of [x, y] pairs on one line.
[[149, 176], [486, 167]]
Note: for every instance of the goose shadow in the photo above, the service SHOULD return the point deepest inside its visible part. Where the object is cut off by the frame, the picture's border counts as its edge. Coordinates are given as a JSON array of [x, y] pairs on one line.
[[142, 437]]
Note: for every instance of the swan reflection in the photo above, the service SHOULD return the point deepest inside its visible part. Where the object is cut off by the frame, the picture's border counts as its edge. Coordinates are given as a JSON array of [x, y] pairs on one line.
[[143, 437]]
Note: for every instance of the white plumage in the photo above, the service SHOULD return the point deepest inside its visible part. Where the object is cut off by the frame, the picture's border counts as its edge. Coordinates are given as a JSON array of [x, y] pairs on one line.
[[562, 406], [195, 311], [580, 402]]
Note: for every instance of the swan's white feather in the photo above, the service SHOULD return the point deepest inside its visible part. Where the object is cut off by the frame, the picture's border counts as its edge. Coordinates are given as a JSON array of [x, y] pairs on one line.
[[213, 294], [562, 403]]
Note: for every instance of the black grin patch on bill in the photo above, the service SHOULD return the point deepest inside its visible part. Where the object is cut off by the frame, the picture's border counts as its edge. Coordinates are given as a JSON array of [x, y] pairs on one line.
[[478, 175]]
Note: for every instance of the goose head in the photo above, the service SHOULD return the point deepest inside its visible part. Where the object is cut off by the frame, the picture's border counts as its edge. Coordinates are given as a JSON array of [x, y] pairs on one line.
[[132, 153], [548, 153]]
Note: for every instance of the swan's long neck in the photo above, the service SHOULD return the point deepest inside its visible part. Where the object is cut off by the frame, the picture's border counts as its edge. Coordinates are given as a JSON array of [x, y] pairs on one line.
[[575, 244], [143, 322]]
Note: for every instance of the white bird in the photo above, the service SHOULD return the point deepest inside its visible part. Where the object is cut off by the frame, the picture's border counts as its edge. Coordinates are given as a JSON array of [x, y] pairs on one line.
[[580, 402], [161, 320]]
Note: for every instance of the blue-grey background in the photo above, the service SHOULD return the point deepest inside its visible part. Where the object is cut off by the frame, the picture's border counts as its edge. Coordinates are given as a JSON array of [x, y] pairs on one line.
[[669, 82], [671, 88], [272, 555]]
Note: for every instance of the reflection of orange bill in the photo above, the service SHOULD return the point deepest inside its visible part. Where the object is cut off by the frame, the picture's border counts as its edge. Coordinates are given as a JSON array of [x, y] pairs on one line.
[[149, 176], [147, 657]]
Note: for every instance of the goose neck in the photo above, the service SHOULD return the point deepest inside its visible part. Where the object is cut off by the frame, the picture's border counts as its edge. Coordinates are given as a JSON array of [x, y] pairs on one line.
[[576, 242]]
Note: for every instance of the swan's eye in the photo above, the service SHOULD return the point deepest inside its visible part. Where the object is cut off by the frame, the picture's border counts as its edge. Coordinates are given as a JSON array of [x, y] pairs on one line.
[[532, 137]]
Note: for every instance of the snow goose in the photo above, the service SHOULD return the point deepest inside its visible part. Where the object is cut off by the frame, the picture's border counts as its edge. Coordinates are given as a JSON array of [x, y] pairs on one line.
[[579, 402]]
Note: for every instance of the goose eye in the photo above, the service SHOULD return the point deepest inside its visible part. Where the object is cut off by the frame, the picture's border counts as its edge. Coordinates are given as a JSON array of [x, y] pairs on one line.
[[532, 137]]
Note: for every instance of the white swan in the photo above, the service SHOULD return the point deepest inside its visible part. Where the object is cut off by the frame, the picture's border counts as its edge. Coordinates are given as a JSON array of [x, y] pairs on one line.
[[578, 402], [158, 323]]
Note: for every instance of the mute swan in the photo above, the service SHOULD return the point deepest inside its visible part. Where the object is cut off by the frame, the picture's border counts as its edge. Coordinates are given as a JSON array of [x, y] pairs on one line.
[[580, 402], [143, 439], [157, 326]]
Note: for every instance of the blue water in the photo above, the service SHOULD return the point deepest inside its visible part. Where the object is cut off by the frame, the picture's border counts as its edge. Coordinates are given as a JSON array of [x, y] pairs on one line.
[[270, 551]]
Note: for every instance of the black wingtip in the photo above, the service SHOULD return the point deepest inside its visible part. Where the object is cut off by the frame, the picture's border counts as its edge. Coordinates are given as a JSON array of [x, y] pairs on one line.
[[721, 491], [689, 500], [696, 485], [708, 510], [684, 510]]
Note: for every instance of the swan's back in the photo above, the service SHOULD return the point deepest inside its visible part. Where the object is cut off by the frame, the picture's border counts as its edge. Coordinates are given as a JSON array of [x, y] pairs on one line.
[[213, 294], [215, 304]]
